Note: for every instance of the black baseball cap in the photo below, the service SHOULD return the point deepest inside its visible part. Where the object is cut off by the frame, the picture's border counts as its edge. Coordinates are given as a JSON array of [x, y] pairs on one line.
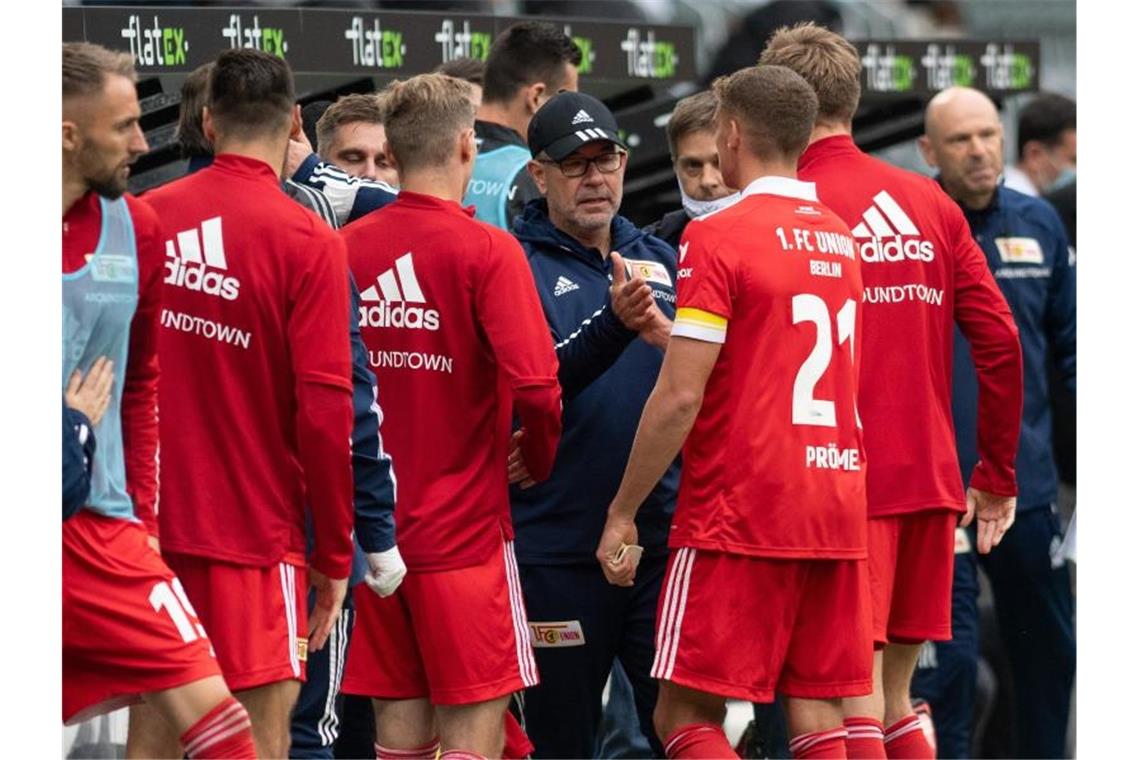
[[568, 121]]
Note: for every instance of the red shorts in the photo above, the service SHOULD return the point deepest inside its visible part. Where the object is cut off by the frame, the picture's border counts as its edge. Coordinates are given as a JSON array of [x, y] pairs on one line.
[[127, 629], [257, 617], [911, 563], [455, 636], [747, 627]]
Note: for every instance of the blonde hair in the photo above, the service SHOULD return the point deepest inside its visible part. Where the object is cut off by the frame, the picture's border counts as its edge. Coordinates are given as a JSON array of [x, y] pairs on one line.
[[829, 63], [423, 116], [86, 66], [775, 107]]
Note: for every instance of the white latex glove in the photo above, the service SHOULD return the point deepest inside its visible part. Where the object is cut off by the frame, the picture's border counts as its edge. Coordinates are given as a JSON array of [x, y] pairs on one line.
[[385, 571]]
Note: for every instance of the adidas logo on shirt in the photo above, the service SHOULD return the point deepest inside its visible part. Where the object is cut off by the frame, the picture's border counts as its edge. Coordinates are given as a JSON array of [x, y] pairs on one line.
[[564, 286], [887, 234], [395, 288], [581, 118], [196, 260]]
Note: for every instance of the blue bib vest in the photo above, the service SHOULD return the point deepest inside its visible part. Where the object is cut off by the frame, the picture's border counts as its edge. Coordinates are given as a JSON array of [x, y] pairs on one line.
[[99, 302], [491, 180]]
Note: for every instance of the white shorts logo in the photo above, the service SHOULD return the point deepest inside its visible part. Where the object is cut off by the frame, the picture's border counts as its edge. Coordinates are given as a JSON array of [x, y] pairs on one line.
[[560, 633]]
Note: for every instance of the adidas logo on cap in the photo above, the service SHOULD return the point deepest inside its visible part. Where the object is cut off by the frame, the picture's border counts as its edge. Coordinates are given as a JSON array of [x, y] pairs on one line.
[[564, 286], [887, 234], [394, 288], [581, 118], [193, 262]]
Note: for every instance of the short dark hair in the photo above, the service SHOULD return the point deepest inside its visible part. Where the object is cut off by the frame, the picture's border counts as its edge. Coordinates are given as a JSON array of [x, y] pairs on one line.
[[692, 114], [525, 53], [775, 106], [251, 92], [195, 94], [1045, 119], [468, 69]]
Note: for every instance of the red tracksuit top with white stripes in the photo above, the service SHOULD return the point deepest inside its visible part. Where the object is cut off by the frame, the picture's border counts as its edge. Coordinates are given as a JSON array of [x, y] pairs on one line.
[[922, 273], [455, 334], [256, 394]]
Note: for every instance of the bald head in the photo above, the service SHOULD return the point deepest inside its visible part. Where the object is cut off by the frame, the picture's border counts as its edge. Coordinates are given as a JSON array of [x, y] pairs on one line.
[[963, 141]]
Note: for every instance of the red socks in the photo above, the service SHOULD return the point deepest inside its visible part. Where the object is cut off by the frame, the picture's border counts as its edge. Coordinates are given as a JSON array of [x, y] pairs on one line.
[[865, 739], [516, 744], [460, 754], [905, 740], [221, 733], [820, 744], [426, 752], [698, 740]]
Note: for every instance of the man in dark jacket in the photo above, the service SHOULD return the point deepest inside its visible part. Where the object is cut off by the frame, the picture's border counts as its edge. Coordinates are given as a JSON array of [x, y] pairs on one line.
[[609, 340], [691, 133], [1027, 250]]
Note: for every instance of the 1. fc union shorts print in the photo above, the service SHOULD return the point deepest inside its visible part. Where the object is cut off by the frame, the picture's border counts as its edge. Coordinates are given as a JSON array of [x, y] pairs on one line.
[[746, 627], [454, 636], [257, 616], [127, 627], [911, 564]]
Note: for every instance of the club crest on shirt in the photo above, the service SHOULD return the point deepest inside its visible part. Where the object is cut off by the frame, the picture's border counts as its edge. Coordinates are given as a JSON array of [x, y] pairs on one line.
[[650, 271], [1019, 250], [558, 633]]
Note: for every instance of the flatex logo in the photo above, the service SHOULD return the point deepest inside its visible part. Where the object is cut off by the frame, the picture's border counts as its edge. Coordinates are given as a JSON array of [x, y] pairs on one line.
[[155, 45], [268, 39], [395, 295], [647, 57], [374, 46], [945, 67], [888, 71], [461, 42], [1005, 68]]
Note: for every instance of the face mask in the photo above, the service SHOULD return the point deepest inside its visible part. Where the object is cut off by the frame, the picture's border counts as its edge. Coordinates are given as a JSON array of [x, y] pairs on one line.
[[695, 208], [1067, 176]]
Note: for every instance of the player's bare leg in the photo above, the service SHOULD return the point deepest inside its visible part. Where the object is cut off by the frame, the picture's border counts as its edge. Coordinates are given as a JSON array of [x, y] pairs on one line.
[[872, 705], [269, 709], [806, 716], [156, 725], [899, 662], [406, 724], [690, 722], [473, 728]]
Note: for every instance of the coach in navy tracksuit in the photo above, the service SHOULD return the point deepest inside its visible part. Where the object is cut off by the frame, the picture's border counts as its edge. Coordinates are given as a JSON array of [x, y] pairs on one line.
[[1027, 249], [580, 622]]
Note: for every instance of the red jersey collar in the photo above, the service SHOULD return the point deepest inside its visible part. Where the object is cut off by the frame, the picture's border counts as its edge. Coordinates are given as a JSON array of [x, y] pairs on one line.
[[828, 146], [407, 197], [250, 167], [785, 186]]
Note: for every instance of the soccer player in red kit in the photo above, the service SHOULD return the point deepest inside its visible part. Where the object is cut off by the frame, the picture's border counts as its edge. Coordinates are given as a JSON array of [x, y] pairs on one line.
[[128, 631], [456, 336], [767, 583], [922, 273], [256, 395]]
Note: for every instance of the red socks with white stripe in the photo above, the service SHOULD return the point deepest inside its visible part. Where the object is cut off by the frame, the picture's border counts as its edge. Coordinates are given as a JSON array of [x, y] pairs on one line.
[[461, 754], [426, 752], [698, 740], [223, 732], [820, 744], [865, 739], [905, 740]]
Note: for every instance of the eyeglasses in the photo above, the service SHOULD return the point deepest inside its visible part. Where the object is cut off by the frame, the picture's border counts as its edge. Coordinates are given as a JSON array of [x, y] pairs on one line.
[[607, 163]]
